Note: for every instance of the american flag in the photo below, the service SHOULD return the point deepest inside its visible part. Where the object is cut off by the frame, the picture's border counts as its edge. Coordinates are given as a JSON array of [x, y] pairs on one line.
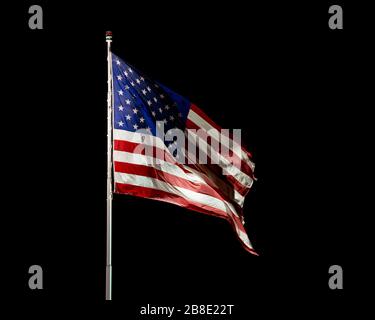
[[142, 108]]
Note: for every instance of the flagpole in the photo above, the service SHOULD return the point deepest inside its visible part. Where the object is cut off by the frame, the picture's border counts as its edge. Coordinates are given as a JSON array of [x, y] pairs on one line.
[[108, 282]]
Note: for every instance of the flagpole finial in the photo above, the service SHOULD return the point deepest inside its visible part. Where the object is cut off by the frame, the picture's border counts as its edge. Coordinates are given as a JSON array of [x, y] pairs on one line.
[[108, 35]]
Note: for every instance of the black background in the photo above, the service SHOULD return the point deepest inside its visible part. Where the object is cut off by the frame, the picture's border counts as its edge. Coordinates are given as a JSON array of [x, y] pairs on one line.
[[298, 90]]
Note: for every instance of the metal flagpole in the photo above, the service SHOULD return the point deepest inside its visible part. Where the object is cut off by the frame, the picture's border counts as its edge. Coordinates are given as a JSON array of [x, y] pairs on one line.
[[108, 282]]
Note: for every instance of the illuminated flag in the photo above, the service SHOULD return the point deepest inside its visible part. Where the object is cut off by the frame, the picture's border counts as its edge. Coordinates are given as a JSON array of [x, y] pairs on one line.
[[152, 160]]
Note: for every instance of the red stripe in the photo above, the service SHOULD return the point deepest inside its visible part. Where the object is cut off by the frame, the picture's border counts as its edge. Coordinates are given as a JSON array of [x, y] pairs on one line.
[[237, 222], [164, 196]]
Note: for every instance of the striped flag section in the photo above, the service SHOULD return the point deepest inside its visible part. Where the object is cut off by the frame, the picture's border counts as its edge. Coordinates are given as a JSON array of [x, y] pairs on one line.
[[216, 188]]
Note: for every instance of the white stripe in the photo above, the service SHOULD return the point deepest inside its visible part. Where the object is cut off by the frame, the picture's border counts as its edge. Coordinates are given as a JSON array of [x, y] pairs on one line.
[[134, 158], [214, 133], [239, 198], [245, 239], [187, 194]]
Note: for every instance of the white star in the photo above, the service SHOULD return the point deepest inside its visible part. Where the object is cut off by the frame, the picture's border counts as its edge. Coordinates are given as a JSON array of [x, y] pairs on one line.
[[121, 108], [132, 84], [153, 113], [127, 87], [135, 110], [162, 96], [120, 123], [128, 117], [165, 121], [160, 110], [156, 100], [171, 118], [142, 79], [149, 102], [127, 101], [130, 70], [144, 91], [118, 62], [149, 89], [141, 120], [135, 127], [166, 107], [119, 78], [120, 92], [138, 81], [126, 74], [156, 86]]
